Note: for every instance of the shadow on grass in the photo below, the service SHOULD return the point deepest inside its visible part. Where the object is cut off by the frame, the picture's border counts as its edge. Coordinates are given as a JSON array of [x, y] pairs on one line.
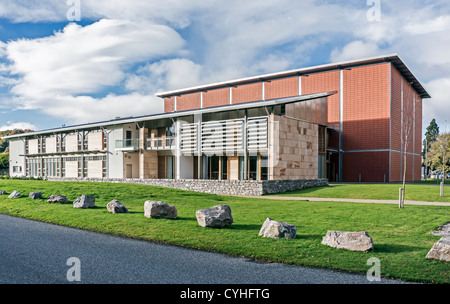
[[245, 227], [393, 248]]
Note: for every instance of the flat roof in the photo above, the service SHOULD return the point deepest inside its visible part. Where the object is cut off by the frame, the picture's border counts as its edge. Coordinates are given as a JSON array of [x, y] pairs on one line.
[[393, 58], [126, 120]]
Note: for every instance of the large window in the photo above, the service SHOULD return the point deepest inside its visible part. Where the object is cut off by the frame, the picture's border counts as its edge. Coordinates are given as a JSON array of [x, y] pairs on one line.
[[51, 167]]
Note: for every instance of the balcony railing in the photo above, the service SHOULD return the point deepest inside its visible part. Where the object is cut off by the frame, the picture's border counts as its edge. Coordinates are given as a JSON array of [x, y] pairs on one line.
[[160, 143], [127, 144]]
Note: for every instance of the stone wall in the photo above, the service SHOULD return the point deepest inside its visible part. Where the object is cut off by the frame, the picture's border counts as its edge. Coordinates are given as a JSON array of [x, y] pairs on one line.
[[237, 187], [294, 149]]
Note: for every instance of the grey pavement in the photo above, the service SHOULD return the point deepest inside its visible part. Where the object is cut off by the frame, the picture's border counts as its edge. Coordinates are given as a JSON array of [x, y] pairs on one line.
[[33, 252]]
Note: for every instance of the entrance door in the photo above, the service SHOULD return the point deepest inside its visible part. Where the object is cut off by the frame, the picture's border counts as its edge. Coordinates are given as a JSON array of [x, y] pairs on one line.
[[129, 171]]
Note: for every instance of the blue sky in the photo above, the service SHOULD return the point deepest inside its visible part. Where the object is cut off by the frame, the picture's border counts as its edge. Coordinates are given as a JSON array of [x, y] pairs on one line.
[[119, 54]]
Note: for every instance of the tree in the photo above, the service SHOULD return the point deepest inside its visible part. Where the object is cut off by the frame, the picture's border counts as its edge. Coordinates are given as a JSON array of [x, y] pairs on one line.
[[406, 133], [430, 136], [439, 155]]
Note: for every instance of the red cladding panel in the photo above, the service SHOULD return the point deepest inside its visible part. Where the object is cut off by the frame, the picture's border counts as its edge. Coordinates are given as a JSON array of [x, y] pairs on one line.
[[366, 108], [369, 166], [169, 104], [247, 93], [215, 98], [188, 102], [281, 88]]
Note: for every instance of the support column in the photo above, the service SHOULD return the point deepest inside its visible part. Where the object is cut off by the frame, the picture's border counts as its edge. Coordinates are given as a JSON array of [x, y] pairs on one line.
[[178, 150], [341, 121]]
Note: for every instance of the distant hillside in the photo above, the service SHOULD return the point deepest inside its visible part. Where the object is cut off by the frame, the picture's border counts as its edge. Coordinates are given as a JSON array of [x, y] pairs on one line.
[[4, 144]]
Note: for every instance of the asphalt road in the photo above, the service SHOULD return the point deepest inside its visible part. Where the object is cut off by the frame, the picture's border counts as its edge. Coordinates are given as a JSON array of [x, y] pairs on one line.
[[33, 252]]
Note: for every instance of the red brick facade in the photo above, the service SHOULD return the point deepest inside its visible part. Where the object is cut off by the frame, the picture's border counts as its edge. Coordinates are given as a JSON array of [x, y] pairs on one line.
[[376, 99]]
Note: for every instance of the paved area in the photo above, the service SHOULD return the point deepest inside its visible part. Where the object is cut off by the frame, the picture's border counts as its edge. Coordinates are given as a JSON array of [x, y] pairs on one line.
[[41, 253], [348, 200]]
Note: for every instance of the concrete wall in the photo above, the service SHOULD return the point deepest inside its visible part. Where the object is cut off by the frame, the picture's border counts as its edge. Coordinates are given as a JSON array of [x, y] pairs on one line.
[[95, 141], [115, 158], [16, 148], [33, 146], [95, 168], [50, 145], [71, 168], [131, 159]]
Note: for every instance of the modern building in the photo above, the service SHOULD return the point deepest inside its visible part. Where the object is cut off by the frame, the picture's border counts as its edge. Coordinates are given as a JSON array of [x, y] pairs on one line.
[[341, 121]]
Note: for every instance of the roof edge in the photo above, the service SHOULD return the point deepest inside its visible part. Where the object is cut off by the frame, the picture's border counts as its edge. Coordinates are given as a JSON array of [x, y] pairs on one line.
[[393, 57]]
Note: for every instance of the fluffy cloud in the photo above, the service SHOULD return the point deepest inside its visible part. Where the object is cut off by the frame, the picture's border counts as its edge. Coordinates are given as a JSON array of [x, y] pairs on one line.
[[79, 61], [355, 49], [17, 125]]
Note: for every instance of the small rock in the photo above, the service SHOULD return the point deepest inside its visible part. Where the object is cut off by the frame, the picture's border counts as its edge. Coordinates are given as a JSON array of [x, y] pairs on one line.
[[35, 195], [354, 241], [15, 194], [215, 217], [57, 199], [277, 230], [155, 209], [116, 206], [84, 201], [440, 250]]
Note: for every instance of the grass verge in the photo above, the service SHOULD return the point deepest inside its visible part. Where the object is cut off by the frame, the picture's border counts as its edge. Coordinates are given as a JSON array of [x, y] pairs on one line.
[[414, 192], [401, 236]]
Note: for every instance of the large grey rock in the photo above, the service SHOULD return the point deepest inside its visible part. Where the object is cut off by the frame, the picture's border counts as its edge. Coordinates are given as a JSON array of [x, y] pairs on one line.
[[215, 217], [115, 206], [2, 192], [56, 198], [15, 194], [155, 209], [354, 241], [440, 250], [277, 230], [35, 195], [443, 230], [84, 201]]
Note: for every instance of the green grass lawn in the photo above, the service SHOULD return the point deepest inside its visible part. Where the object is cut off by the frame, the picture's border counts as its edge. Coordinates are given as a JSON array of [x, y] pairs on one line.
[[401, 236], [414, 192]]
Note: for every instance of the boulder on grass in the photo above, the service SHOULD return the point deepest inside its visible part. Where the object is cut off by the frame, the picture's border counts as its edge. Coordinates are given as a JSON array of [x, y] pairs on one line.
[[115, 206], [159, 210], [84, 201], [2, 192], [35, 195], [354, 241], [56, 198], [215, 217], [440, 250], [15, 194], [277, 230]]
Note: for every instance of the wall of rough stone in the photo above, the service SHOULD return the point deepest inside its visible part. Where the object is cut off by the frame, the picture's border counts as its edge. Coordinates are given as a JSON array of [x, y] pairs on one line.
[[294, 149], [237, 187]]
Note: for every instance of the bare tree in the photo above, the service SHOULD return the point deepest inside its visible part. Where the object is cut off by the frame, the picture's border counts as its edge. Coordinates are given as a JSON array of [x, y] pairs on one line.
[[406, 133]]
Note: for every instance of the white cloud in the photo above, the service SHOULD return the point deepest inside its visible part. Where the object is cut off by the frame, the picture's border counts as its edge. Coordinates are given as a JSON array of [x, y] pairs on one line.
[[18, 125], [83, 60], [168, 74], [56, 74], [355, 50]]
